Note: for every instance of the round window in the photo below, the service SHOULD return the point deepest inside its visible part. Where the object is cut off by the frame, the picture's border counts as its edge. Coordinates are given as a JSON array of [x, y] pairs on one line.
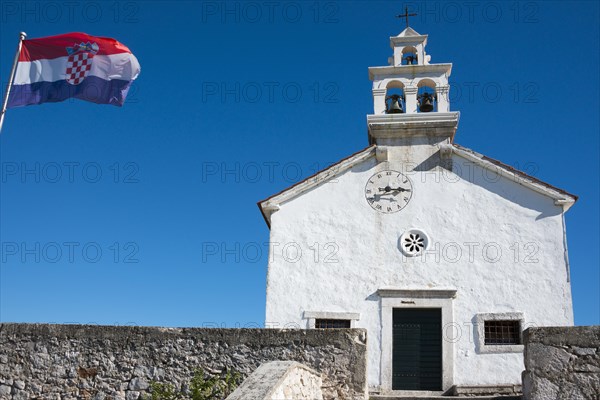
[[413, 242]]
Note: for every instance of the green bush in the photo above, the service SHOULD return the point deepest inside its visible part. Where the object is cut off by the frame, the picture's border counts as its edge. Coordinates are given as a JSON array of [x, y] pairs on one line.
[[202, 386]]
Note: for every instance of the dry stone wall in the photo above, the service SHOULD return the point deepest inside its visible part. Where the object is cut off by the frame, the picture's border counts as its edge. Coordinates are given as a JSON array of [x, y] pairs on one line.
[[60, 362], [562, 363]]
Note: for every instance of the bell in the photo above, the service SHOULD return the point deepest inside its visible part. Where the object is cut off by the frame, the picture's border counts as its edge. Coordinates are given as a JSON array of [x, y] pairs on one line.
[[426, 102], [409, 58], [395, 107]]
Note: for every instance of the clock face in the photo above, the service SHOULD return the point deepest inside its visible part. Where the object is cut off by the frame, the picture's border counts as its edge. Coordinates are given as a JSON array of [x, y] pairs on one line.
[[388, 191]]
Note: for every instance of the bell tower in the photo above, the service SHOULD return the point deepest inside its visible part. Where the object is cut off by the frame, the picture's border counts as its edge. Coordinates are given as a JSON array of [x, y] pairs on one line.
[[410, 95]]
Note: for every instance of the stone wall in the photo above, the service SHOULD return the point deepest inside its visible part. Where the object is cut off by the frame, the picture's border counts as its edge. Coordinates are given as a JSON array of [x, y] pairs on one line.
[[562, 363], [106, 362]]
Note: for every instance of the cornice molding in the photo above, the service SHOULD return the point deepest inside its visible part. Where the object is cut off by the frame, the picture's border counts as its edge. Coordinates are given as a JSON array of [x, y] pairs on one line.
[[417, 293], [393, 71]]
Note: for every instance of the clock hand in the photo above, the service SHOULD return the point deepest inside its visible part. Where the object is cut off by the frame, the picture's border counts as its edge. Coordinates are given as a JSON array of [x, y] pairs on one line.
[[386, 189]]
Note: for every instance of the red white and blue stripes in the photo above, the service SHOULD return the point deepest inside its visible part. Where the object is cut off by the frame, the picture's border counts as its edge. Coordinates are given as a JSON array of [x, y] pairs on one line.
[[73, 65]]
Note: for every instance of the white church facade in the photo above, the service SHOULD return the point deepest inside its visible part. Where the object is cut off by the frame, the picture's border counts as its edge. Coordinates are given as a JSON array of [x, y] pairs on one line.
[[442, 254]]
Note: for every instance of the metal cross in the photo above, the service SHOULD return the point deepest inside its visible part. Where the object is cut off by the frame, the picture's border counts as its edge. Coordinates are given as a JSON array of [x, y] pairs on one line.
[[406, 15]]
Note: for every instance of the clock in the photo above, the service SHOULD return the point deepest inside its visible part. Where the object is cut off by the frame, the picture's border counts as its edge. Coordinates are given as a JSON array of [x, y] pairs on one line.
[[388, 191]]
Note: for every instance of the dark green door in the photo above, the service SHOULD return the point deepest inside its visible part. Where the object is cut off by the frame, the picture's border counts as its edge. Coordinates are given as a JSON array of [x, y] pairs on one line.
[[417, 349]]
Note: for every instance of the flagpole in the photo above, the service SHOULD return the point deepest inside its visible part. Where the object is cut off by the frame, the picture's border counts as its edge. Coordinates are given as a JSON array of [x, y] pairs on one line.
[[22, 37]]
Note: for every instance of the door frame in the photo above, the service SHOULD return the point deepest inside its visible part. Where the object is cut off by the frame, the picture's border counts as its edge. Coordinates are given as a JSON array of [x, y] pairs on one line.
[[417, 298]]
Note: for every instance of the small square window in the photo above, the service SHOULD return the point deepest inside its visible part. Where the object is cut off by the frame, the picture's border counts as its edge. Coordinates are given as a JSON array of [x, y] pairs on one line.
[[502, 332], [332, 323], [330, 319], [499, 332]]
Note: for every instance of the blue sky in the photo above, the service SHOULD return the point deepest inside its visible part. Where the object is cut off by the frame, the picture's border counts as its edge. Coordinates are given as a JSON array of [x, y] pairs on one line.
[[146, 214]]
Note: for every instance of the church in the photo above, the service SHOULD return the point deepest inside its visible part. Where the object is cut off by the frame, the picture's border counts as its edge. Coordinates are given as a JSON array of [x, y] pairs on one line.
[[445, 256]]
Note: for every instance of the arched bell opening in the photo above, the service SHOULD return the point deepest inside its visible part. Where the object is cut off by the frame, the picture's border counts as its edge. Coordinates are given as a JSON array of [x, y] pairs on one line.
[[395, 102], [427, 96], [409, 56]]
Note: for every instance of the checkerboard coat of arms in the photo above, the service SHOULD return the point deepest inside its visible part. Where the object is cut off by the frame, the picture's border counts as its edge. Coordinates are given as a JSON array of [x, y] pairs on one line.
[[79, 62]]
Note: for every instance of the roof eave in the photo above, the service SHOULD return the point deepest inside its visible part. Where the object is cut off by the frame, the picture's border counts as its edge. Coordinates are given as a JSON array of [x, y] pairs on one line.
[[271, 204], [561, 197]]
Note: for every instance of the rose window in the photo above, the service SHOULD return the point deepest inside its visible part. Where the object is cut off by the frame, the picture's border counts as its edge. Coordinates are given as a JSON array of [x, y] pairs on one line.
[[413, 242]]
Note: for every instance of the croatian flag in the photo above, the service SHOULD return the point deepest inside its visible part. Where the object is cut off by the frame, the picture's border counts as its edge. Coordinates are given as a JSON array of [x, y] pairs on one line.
[[73, 65]]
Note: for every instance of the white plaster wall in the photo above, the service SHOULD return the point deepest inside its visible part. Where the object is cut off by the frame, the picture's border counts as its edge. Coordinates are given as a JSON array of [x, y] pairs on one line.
[[468, 205]]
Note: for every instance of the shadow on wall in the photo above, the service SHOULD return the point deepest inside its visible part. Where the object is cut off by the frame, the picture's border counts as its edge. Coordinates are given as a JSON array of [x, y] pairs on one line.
[[455, 169]]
